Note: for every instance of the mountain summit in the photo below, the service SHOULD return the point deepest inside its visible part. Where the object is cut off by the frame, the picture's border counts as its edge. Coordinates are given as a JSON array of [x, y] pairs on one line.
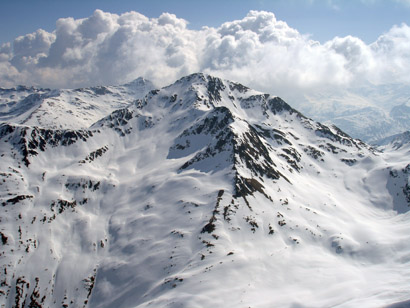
[[204, 193]]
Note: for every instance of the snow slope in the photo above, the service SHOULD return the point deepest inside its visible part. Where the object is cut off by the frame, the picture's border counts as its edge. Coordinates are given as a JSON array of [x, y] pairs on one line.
[[204, 193], [74, 109]]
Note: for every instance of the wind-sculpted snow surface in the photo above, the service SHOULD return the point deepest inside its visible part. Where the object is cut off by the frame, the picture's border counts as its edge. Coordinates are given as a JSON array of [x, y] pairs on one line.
[[204, 193]]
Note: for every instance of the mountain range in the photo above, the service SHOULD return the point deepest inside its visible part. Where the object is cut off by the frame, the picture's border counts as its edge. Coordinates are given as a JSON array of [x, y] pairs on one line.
[[368, 112], [67, 108], [204, 193]]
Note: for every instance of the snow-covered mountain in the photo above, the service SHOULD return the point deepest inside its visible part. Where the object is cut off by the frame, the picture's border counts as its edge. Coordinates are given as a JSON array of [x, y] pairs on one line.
[[204, 193], [74, 109]]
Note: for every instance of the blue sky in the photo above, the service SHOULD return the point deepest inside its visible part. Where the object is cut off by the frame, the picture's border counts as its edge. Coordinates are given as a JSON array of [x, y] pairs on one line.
[[322, 19]]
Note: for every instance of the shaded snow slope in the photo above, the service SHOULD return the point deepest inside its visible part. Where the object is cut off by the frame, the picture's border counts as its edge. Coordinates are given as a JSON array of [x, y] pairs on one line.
[[202, 194], [74, 109]]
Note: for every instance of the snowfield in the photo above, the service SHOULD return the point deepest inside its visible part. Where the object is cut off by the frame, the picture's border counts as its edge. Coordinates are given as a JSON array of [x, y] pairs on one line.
[[204, 193]]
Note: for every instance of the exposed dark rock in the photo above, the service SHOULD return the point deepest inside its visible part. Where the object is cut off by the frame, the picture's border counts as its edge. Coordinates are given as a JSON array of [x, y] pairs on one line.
[[349, 161], [95, 154], [17, 199], [3, 238], [215, 87], [30, 140], [274, 134], [278, 105], [35, 301], [251, 151], [62, 205], [314, 152], [89, 283], [84, 184], [233, 86], [219, 137], [332, 148], [210, 226]]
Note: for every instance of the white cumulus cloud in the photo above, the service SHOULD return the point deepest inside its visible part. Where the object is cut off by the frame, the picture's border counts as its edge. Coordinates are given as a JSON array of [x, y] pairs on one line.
[[258, 50]]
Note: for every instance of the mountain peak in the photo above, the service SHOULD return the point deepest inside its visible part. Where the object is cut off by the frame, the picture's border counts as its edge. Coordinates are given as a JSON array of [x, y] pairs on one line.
[[212, 83], [140, 82]]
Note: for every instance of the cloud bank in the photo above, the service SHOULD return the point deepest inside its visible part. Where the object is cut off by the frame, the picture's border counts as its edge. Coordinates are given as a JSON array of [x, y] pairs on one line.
[[258, 50]]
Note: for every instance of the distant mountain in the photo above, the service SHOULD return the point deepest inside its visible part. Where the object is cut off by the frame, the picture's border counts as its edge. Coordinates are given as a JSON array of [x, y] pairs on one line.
[[204, 193], [75, 109], [396, 141], [370, 112]]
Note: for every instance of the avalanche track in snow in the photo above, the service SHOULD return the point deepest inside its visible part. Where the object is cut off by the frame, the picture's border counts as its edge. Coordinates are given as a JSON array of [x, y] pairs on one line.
[[204, 193]]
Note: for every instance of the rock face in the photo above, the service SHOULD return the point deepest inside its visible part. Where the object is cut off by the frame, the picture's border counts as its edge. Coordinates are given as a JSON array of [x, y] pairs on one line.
[[197, 183]]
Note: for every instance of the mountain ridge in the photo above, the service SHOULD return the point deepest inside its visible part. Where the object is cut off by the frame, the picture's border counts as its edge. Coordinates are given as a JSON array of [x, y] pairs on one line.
[[67, 108]]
